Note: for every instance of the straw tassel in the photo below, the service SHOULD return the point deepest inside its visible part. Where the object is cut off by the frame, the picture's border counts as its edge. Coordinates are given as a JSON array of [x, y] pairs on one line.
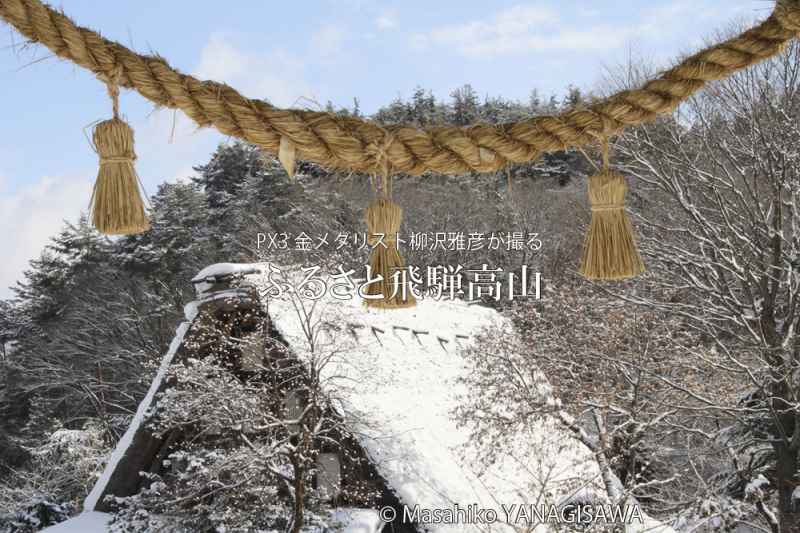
[[383, 218], [610, 251], [117, 206], [383, 222]]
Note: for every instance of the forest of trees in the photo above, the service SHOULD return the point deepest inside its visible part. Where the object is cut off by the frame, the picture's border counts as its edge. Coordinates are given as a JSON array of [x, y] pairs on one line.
[[684, 383]]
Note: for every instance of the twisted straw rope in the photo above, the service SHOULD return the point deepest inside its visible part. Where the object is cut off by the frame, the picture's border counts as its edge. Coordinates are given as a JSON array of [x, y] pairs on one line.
[[349, 142]]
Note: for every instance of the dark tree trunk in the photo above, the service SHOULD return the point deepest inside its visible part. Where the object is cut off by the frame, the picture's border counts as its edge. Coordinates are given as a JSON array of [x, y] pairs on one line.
[[299, 494], [785, 479]]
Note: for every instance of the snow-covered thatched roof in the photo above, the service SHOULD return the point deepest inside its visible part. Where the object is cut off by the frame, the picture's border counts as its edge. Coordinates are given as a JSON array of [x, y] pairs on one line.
[[395, 377], [396, 374]]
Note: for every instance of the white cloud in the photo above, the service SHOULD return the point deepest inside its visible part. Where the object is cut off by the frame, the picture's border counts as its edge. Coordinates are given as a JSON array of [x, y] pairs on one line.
[[588, 12], [356, 5], [31, 215], [327, 43], [276, 75], [386, 21], [516, 29], [419, 41], [526, 28], [182, 175], [168, 144]]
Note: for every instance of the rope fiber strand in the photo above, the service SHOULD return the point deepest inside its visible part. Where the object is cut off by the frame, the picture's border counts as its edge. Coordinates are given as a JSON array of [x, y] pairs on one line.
[[349, 143]]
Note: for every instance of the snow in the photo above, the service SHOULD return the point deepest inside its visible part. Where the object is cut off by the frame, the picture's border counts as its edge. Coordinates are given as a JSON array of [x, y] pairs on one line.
[[69, 436], [9, 347], [87, 522], [756, 485], [121, 449], [357, 520], [204, 279], [395, 374], [225, 269], [226, 294]]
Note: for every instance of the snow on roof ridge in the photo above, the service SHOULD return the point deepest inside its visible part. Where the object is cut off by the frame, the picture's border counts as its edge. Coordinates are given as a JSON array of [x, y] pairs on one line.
[[226, 269], [125, 441]]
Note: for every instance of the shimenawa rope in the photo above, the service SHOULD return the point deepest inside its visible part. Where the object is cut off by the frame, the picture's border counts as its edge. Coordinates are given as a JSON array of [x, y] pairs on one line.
[[342, 142], [352, 143]]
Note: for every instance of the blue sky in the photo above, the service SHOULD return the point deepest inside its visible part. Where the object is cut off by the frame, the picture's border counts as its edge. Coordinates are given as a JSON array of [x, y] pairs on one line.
[[299, 54]]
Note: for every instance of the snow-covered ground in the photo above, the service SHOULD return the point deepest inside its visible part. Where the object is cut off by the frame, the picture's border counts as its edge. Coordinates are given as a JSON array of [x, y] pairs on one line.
[[351, 520], [87, 522], [357, 520]]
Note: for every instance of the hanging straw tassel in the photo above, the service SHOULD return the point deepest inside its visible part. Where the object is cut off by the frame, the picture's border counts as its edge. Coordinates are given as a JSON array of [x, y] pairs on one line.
[[383, 222], [609, 251], [117, 206]]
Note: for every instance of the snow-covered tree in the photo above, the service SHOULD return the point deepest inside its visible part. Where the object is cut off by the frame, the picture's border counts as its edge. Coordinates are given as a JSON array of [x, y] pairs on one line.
[[720, 192], [591, 364], [60, 474]]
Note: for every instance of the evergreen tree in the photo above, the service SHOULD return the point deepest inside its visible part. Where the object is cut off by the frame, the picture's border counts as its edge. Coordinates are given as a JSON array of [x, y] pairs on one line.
[[179, 241], [229, 167], [465, 106], [573, 98]]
